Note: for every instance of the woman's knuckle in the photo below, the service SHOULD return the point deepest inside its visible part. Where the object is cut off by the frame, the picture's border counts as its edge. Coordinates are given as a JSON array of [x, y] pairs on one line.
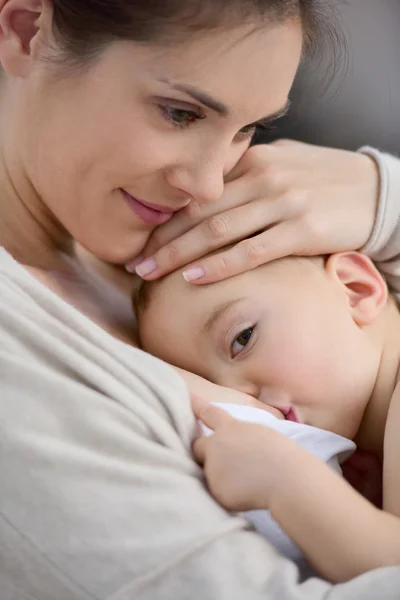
[[273, 175], [312, 226], [256, 157], [194, 210], [172, 254], [285, 142], [220, 266], [295, 202], [254, 250], [217, 227], [257, 152], [157, 238]]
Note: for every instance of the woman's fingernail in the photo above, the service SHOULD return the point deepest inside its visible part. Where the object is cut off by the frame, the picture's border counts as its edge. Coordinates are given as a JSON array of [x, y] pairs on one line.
[[194, 273], [146, 267], [130, 267]]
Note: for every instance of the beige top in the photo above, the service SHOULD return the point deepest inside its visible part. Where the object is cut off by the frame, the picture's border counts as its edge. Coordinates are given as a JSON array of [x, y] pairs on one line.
[[99, 497], [384, 244]]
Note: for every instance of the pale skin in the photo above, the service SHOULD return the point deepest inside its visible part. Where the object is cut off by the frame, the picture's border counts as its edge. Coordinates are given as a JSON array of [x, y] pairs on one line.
[[321, 337], [69, 142]]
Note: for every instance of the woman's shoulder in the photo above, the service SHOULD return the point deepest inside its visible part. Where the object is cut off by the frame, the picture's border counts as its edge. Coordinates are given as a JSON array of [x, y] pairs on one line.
[[41, 331]]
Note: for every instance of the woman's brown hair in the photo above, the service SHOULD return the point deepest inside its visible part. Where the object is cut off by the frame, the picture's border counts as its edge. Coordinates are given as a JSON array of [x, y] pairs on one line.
[[82, 28]]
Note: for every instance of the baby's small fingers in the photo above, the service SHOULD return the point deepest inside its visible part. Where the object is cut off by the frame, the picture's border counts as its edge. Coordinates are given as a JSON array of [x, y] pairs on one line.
[[199, 449]]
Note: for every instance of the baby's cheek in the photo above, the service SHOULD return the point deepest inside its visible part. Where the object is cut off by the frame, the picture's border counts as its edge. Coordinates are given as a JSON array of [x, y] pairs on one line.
[[274, 411]]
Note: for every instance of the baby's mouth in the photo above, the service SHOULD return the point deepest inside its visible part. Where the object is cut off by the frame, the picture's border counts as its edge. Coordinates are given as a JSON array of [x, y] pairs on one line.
[[290, 414]]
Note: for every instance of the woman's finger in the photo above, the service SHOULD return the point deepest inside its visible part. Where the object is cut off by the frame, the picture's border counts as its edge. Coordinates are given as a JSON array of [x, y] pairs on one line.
[[214, 233], [269, 245]]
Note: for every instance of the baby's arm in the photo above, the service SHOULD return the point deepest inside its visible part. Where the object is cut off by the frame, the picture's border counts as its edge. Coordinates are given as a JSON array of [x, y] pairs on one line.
[[340, 532], [251, 467]]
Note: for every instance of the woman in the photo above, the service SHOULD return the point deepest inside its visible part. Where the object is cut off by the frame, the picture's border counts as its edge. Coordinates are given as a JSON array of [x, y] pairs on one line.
[[113, 117]]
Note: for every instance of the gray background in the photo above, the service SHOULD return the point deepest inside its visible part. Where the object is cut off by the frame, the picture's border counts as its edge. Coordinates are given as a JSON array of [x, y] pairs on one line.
[[361, 104]]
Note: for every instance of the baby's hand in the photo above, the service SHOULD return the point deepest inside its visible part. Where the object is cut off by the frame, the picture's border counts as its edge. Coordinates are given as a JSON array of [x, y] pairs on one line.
[[244, 463]]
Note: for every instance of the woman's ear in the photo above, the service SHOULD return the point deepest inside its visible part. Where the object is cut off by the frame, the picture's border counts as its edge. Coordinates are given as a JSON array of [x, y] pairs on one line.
[[21, 22], [364, 286]]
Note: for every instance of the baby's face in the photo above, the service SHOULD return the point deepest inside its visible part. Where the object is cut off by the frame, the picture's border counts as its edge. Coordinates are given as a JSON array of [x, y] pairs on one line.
[[281, 333]]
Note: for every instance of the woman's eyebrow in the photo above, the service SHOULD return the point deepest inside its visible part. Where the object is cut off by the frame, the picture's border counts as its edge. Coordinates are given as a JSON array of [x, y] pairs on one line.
[[218, 106], [203, 98], [219, 312]]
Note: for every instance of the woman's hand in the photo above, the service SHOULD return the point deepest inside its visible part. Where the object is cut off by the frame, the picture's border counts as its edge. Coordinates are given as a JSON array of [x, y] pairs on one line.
[[243, 463], [299, 199]]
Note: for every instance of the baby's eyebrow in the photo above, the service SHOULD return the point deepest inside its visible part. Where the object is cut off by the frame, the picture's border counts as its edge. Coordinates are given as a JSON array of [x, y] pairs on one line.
[[219, 312]]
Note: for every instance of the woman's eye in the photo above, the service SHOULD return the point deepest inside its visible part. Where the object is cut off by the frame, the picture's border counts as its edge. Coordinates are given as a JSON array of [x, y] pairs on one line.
[[247, 131], [241, 341], [180, 117]]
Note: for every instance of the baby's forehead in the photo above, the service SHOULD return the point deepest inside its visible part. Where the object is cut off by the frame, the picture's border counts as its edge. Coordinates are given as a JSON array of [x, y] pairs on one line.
[[175, 299], [173, 293]]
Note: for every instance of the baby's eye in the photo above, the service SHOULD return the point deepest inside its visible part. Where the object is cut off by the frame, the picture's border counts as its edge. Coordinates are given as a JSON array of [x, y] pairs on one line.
[[241, 341]]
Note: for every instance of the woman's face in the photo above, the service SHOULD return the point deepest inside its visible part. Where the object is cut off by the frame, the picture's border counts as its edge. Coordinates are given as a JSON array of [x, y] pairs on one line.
[[158, 125]]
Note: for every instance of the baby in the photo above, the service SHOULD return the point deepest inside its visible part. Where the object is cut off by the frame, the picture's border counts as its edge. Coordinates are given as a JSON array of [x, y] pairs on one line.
[[319, 341]]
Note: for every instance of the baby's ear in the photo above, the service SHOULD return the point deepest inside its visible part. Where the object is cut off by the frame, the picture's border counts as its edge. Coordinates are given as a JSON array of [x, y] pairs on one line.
[[364, 286]]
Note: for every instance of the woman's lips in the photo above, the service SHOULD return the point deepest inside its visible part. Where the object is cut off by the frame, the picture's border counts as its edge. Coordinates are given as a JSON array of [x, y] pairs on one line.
[[148, 212]]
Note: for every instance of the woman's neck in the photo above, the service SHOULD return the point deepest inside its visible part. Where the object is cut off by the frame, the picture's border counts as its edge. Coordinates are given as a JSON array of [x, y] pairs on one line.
[[28, 230]]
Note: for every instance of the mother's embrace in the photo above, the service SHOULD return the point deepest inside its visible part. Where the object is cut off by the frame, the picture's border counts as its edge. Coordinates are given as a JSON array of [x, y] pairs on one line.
[[114, 115]]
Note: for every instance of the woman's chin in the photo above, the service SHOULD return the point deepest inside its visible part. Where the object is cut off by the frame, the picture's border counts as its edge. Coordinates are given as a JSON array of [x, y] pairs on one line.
[[117, 254]]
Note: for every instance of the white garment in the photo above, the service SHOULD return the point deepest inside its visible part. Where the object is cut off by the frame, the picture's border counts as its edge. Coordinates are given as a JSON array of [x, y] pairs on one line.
[[329, 447]]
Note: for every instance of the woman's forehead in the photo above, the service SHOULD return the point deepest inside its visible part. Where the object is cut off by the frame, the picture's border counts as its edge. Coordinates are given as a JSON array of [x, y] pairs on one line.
[[251, 71]]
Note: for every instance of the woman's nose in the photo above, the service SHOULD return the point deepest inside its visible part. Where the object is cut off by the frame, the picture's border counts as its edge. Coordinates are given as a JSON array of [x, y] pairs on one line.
[[202, 183], [202, 177]]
